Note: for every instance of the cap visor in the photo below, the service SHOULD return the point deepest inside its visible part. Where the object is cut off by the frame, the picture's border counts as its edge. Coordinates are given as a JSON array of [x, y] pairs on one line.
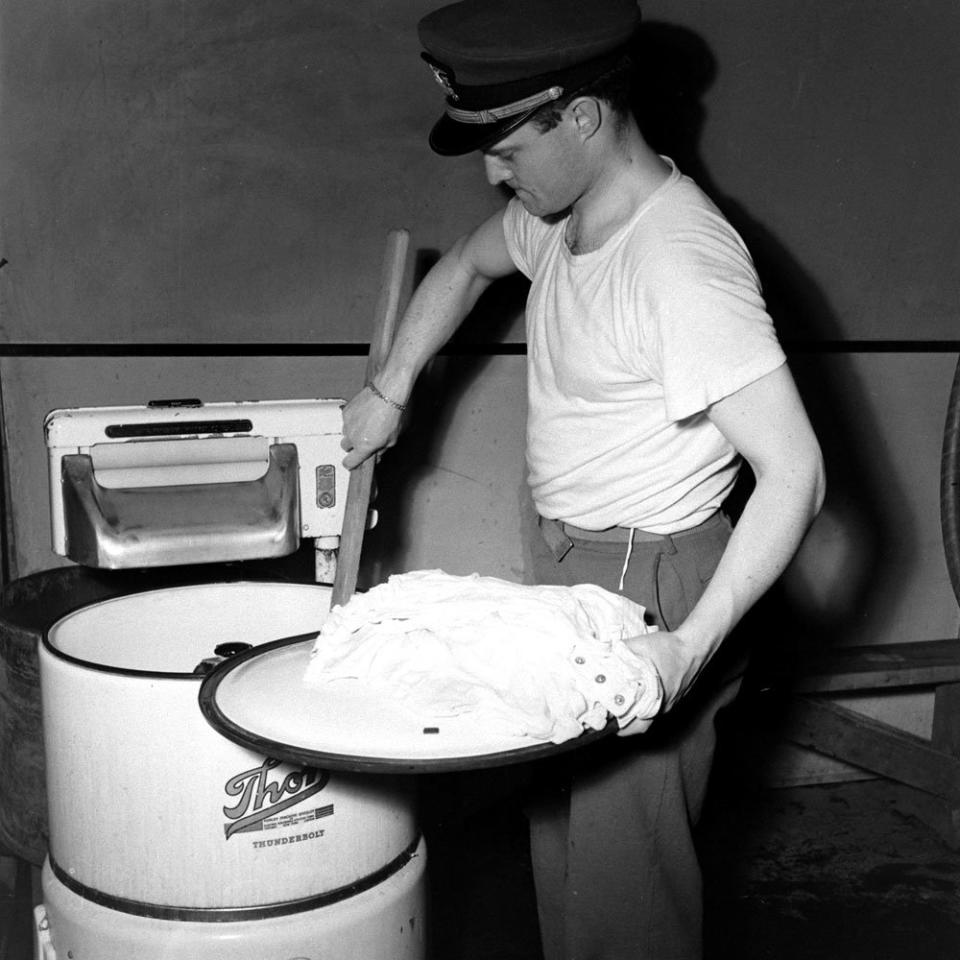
[[450, 138]]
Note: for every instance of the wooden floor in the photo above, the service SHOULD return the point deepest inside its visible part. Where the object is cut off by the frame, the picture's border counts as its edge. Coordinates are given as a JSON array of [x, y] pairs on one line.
[[837, 872]]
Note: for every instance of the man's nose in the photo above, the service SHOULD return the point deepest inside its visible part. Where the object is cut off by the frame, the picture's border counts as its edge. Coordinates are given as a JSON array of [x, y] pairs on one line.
[[496, 169]]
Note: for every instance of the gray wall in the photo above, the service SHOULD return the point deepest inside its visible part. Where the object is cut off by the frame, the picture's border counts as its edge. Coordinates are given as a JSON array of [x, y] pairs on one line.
[[212, 171]]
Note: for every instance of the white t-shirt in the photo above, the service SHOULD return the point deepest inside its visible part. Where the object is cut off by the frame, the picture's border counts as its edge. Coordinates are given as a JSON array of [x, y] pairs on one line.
[[627, 346]]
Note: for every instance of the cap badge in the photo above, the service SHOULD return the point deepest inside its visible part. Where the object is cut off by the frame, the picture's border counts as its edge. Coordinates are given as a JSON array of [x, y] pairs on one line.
[[443, 75]]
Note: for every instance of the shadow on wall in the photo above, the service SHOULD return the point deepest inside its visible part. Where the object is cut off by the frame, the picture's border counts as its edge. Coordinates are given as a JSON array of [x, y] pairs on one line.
[[836, 577]]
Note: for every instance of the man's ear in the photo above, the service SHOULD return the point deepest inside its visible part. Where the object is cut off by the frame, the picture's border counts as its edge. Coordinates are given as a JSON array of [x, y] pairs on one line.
[[587, 116]]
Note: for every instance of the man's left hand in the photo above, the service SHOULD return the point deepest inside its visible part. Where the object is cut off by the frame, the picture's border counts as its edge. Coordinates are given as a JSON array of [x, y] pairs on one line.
[[677, 666]]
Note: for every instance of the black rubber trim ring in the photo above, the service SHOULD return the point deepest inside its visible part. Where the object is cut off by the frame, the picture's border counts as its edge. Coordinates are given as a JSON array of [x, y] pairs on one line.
[[352, 763], [156, 911]]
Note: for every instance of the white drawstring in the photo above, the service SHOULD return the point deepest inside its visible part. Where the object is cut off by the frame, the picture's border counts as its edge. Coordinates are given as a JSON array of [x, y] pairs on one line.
[[626, 561]]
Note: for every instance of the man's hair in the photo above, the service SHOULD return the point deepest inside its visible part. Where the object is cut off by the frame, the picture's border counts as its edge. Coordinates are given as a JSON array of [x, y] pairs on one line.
[[615, 88]]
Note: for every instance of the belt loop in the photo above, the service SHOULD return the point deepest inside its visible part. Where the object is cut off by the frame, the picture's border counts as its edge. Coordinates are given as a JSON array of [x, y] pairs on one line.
[[669, 547]]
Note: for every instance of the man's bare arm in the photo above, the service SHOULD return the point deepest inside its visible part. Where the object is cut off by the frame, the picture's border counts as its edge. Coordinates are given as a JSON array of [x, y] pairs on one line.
[[768, 425], [441, 302]]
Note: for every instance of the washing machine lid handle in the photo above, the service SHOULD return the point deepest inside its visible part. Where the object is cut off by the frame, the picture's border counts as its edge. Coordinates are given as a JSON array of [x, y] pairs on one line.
[[173, 524]]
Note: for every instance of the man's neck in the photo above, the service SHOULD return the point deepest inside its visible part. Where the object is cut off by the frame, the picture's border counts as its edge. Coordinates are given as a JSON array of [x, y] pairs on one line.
[[623, 184]]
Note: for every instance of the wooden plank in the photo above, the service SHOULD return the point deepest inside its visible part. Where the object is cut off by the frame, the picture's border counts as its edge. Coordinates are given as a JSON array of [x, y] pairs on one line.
[[946, 719], [945, 736], [854, 738], [778, 779], [882, 666]]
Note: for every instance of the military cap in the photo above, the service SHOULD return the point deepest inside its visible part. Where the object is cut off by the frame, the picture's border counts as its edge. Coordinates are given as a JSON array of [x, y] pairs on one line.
[[501, 60]]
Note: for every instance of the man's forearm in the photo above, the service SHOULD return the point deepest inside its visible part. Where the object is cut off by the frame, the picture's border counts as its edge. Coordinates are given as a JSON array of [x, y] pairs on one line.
[[441, 302], [767, 535], [765, 539], [371, 420]]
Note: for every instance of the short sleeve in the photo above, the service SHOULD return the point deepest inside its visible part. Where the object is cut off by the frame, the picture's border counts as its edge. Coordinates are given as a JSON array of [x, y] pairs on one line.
[[706, 327]]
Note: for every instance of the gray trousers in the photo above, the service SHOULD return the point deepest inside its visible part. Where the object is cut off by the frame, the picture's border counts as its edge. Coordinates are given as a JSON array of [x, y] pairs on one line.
[[615, 868]]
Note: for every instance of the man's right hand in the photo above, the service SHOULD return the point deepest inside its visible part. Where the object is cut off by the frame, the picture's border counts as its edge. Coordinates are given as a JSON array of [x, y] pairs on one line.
[[370, 425]]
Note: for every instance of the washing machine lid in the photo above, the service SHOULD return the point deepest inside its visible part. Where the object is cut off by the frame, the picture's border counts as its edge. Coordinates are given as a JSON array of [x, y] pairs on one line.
[[259, 700]]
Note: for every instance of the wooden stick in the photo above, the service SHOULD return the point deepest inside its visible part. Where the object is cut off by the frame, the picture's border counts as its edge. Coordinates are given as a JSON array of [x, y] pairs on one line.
[[361, 477]]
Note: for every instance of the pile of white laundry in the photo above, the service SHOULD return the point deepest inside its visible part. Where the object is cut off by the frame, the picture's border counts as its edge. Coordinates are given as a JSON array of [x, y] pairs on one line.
[[545, 662]]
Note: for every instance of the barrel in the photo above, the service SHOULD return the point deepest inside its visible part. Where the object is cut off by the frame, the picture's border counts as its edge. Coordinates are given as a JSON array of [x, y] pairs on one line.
[[154, 816]]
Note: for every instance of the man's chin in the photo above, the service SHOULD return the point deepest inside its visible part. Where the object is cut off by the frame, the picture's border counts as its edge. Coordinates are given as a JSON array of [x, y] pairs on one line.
[[533, 206], [549, 214]]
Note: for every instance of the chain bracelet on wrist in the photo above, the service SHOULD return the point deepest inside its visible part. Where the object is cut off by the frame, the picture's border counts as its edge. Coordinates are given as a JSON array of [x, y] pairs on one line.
[[387, 400]]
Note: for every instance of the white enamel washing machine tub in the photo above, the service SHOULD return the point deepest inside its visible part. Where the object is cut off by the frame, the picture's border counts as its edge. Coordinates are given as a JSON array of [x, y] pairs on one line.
[[169, 841]]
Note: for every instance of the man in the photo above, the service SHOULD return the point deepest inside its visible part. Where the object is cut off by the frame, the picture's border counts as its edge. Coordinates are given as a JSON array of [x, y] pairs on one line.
[[653, 371]]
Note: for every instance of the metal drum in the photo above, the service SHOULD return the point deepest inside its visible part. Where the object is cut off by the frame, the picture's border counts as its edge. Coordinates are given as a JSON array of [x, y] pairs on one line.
[[166, 836]]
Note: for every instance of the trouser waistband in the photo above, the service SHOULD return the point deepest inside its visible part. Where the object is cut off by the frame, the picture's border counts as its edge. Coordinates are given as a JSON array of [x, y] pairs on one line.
[[560, 536], [621, 534]]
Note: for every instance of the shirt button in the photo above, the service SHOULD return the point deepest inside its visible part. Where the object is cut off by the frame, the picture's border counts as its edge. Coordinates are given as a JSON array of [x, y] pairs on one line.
[[600, 678], [618, 699], [580, 660]]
